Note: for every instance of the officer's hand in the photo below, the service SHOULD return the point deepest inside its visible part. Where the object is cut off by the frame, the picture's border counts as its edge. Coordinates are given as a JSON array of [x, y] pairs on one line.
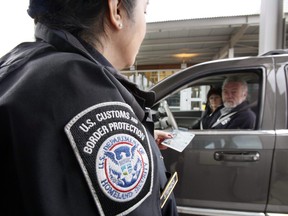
[[160, 136]]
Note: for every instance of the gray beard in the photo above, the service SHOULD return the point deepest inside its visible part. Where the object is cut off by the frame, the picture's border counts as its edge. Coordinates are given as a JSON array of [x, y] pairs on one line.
[[225, 110], [228, 105]]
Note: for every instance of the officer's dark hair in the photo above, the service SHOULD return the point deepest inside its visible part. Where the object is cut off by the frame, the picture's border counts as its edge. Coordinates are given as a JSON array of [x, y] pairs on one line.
[[84, 18]]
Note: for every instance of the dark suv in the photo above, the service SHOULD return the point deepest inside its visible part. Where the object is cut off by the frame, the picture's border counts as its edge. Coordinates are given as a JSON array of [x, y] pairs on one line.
[[230, 172]]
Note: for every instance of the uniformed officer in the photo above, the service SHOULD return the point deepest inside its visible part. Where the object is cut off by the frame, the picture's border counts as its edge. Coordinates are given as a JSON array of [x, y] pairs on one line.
[[75, 135]]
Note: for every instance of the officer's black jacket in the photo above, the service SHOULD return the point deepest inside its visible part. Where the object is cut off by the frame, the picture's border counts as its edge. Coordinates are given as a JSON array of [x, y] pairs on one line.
[[43, 85]]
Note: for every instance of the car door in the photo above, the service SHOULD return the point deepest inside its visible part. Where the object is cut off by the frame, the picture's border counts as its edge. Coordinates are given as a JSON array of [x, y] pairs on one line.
[[278, 196], [226, 172]]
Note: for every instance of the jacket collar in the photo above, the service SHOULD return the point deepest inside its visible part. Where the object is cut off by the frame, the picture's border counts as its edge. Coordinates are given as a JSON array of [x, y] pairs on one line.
[[67, 41], [70, 43]]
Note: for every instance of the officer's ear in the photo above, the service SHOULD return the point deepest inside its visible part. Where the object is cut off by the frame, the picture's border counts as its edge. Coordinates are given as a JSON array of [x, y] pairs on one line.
[[116, 13]]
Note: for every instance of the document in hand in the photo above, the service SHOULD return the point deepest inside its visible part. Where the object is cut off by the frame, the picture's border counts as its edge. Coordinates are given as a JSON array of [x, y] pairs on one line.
[[180, 140]]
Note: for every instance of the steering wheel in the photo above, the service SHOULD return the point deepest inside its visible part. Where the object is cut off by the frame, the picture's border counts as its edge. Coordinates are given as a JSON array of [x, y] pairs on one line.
[[170, 117]]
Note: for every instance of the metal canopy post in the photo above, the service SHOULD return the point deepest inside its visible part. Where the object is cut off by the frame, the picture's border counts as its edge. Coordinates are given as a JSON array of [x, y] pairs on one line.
[[271, 35]]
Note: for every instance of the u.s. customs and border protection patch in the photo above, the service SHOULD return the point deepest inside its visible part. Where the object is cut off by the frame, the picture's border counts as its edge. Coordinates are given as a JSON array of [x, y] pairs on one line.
[[114, 152]]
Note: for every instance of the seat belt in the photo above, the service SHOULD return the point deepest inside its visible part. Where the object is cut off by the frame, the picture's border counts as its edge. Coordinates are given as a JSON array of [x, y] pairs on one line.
[[233, 113], [222, 119]]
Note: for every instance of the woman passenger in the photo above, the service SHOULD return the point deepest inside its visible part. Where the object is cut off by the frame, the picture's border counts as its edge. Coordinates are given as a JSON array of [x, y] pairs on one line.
[[213, 105]]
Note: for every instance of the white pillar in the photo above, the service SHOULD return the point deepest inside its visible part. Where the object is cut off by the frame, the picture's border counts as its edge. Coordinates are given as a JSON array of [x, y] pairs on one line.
[[185, 99], [231, 53], [271, 26]]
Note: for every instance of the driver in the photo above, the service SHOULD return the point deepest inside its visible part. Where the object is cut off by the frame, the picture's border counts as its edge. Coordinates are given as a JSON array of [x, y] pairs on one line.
[[236, 113]]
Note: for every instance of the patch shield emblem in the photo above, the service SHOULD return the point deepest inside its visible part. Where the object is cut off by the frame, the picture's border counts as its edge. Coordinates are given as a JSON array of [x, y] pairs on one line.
[[122, 167], [114, 152]]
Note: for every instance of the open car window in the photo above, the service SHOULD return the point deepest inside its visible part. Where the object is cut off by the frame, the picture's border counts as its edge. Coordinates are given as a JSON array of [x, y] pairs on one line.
[[188, 103]]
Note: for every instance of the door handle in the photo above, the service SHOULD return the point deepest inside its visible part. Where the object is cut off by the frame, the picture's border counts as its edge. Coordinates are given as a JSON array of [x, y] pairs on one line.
[[246, 156]]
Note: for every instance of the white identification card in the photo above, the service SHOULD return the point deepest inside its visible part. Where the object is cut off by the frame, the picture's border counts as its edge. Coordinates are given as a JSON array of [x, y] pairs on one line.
[[180, 140]]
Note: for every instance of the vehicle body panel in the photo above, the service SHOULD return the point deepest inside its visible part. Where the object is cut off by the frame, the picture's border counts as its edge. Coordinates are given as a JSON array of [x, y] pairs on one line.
[[278, 196], [234, 181]]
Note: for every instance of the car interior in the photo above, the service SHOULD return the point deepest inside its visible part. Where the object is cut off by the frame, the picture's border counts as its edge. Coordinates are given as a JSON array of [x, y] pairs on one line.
[[187, 104]]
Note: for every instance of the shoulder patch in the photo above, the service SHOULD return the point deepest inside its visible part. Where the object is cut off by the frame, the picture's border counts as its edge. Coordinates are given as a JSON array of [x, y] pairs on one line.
[[114, 152]]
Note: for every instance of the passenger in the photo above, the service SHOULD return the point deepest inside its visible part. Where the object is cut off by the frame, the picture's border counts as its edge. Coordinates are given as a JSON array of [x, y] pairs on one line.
[[213, 105], [76, 137], [236, 113]]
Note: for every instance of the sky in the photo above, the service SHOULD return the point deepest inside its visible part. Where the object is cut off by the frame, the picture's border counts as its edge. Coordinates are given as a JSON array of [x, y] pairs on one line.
[[17, 26], [161, 10]]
